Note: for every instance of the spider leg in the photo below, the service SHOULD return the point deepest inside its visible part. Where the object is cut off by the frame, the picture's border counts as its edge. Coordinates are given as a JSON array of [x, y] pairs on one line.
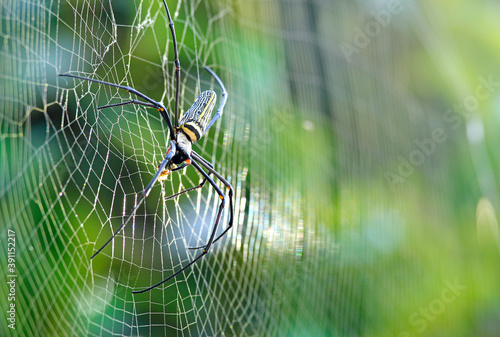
[[177, 66], [210, 169], [133, 101], [157, 105], [171, 276], [183, 165], [223, 102], [211, 239], [201, 159], [200, 185], [145, 193], [187, 190]]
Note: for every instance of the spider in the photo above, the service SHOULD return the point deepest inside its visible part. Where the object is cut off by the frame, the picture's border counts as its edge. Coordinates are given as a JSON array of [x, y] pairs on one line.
[[193, 124]]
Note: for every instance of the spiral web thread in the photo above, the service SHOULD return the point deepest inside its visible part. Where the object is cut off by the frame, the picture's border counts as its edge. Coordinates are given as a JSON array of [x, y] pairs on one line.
[[71, 173]]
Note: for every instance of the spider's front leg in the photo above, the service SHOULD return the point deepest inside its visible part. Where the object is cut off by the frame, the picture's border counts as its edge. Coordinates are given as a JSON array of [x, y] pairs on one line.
[[150, 102]]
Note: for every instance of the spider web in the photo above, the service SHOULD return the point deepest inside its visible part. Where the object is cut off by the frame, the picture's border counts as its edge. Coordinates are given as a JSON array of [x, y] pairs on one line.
[[71, 173], [322, 243]]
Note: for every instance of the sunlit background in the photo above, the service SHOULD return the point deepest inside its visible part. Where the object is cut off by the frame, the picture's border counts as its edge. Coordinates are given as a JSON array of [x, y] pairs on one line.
[[360, 138]]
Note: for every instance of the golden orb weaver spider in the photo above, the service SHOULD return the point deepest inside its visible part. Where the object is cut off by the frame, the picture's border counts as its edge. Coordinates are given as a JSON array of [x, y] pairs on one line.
[[193, 125]]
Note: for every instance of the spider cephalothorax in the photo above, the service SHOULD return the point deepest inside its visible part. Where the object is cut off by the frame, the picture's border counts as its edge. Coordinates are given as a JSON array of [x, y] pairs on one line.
[[192, 126], [182, 156]]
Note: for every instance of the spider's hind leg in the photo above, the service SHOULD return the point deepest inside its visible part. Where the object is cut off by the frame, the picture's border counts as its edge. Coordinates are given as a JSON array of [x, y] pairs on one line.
[[210, 240], [200, 185], [210, 170]]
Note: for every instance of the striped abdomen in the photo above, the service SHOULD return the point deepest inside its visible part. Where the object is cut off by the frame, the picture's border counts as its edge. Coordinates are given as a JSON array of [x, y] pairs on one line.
[[196, 119]]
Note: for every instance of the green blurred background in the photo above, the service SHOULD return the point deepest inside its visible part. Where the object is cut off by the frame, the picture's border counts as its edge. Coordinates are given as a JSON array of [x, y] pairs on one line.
[[359, 137]]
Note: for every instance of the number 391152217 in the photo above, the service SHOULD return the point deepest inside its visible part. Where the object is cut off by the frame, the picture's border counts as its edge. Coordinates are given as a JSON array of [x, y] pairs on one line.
[[11, 251]]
